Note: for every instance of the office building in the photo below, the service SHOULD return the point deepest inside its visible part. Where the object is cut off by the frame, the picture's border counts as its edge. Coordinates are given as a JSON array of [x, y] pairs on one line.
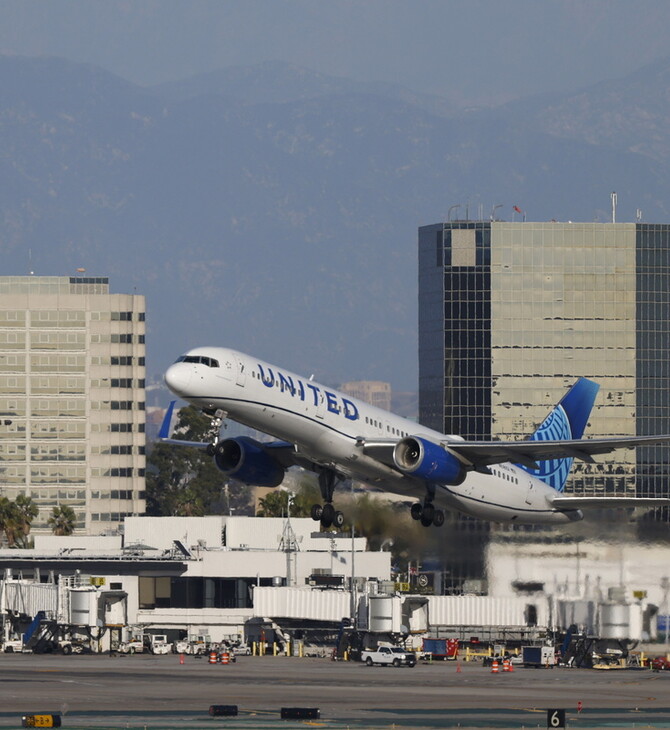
[[72, 372], [374, 392], [511, 314]]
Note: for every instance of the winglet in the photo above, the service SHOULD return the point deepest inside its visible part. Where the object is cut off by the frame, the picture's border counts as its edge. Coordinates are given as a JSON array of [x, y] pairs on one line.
[[164, 432]]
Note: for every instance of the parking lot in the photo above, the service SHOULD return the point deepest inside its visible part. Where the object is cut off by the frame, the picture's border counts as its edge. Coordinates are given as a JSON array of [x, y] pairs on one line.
[[158, 691]]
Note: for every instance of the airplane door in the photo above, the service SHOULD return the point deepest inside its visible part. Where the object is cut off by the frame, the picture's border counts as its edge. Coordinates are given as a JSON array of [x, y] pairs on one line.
[[530, 492], [321, 405], [241, 375]]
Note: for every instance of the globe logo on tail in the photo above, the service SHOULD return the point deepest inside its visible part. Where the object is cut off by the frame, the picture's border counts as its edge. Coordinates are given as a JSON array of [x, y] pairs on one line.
[[554, 472]]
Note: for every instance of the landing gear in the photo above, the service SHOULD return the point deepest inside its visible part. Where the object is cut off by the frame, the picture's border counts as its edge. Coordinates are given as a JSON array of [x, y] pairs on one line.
[[327, 514], [217, 417], [427, 514]]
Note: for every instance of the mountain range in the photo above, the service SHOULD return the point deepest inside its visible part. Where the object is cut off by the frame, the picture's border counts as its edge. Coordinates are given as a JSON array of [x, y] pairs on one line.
[[275, 210]]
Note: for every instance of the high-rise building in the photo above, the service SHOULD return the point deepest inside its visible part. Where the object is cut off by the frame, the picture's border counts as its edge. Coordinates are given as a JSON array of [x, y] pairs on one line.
[[510, 314], [72, 375], [374, 392]]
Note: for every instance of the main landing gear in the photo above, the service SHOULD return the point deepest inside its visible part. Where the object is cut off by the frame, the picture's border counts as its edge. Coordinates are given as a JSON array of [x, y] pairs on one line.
[[427, 513], [327, 514]]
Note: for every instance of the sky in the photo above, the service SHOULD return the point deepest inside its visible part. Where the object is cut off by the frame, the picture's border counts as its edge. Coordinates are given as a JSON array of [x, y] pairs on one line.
[[512, 49]]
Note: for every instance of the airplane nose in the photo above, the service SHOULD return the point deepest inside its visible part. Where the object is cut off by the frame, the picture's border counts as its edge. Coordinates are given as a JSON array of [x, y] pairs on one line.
[[177, 378]]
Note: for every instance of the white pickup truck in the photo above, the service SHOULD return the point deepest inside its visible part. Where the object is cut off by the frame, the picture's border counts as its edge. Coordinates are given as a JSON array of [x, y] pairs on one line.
[[390, 655]]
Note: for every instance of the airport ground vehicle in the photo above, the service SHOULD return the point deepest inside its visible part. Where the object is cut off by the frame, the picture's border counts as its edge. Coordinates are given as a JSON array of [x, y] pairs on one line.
[[158, 643], [538, 656], [660, 663], [389, 655], [13, 646], [441, 648], [195, 644]]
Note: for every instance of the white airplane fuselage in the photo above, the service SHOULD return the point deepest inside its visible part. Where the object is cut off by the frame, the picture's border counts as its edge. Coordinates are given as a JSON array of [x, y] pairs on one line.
[[329, 429]]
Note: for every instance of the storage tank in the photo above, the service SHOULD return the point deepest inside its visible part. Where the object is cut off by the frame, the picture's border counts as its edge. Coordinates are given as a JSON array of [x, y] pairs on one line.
[[83, 607], [615, 621]]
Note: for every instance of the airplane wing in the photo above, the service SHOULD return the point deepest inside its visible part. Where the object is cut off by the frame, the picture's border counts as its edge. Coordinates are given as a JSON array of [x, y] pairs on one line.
[[561, 502], [528, 453], [283, 451], [485, 453]]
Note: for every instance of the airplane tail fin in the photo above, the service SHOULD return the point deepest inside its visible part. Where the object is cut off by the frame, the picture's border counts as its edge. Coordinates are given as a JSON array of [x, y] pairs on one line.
[[566, 421]]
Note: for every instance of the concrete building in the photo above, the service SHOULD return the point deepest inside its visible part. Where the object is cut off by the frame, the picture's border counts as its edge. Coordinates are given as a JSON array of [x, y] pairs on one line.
[[374, 392], [198, 574], [72, 375]]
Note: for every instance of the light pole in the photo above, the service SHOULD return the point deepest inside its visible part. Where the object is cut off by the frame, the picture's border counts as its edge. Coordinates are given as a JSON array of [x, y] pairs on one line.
[[354, 623]]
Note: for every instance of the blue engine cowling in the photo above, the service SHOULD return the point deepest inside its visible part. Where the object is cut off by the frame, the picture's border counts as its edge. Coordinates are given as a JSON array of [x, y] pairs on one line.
[[424, 459], [247, 461]]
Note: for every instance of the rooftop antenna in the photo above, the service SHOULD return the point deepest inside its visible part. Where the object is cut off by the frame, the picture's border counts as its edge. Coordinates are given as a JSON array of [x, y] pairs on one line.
[[638, 215], [493, 210], [30, 262], [453, 207], [613, 196]]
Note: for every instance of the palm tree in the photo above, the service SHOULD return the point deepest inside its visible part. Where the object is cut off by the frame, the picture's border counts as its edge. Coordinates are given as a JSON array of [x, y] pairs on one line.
[[24, 512], [62, 520], [8, 520]]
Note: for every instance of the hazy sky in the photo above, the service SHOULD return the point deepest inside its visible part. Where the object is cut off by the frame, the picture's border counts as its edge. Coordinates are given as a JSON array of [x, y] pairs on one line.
[[469, 50]]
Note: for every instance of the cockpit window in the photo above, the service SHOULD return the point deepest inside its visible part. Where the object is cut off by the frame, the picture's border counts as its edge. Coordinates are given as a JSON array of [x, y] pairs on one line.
[[209, 361]]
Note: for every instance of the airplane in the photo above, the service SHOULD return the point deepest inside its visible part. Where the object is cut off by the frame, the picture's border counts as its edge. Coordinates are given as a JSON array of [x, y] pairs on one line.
[[340, 438]]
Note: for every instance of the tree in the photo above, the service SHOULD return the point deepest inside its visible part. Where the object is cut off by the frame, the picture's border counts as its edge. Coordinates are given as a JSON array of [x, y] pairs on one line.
[[16, 518], [62, 520], [25, 511], [185, 481]]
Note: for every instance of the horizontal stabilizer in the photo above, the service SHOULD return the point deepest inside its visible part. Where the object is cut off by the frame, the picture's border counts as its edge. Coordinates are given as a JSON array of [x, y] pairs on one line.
[[609, 502]]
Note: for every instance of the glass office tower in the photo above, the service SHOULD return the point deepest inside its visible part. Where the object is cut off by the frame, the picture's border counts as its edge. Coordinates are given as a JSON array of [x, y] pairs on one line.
[[72, 375], [511, 314]]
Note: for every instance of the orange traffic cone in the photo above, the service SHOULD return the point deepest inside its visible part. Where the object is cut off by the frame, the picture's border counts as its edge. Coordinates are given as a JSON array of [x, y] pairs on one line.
[[494, 667], [458, 668], [505, 665], [181, 658]]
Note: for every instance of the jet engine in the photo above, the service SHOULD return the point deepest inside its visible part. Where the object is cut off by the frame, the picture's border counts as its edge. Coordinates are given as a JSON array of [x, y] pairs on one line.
[[426, 460], [247, 461]]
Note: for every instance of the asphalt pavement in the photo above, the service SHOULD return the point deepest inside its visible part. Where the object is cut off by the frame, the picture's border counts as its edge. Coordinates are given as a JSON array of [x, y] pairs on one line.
[[144, 691]]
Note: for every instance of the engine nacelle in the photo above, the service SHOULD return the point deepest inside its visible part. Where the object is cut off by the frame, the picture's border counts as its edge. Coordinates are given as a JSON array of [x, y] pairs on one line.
[[247, 461], [424, 459]]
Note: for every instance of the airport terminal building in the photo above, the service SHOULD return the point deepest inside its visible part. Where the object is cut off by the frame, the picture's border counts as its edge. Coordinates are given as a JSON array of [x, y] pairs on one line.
[[72, 374]]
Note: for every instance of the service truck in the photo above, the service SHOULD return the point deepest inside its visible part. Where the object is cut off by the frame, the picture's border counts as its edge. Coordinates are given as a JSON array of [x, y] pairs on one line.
[[389, 655]]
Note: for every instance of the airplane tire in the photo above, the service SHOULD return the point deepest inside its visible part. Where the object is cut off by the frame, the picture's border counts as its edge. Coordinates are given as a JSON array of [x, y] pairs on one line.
[[338, 519], [317, 512], [426, 522], [428, 513], [416, 510], [328, 515], [438, 518]]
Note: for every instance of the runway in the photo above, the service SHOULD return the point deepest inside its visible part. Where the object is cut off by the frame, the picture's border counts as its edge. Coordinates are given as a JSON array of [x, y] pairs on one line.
[[99, 691]]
